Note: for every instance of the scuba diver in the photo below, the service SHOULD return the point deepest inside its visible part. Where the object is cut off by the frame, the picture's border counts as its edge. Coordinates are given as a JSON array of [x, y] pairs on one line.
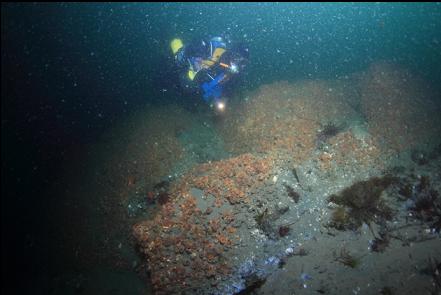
[[207, 66]]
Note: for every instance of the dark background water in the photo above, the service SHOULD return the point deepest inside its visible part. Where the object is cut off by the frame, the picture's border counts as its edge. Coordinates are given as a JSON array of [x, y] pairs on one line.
[[72, 71]]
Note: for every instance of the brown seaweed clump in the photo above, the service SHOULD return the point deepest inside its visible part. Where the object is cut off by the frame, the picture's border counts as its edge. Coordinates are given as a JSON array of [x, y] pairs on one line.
[[424, 201], [339, 218], [347, 259], [360, 203]]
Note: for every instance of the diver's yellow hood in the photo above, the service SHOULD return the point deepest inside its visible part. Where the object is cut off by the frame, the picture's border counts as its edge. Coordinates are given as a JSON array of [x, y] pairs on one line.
[[175, 45]]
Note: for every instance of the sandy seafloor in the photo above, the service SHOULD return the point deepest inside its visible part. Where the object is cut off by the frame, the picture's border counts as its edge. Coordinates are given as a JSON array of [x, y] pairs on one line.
[[181, 202]]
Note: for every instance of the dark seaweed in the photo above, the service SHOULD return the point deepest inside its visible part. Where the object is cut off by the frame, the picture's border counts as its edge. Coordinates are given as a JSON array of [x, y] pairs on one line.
[[426, 203], [380, 244], [347, 259], [263, 221], [163, 198], [292, 193], [364, 203], [328, 131], [433, 269], [252, 283], [386, 291], [283, 230], [162, 186], [294, 172]]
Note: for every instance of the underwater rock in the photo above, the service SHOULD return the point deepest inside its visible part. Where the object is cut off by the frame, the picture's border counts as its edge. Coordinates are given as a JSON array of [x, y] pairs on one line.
[[202, 223], [151, 146], [283, 116], [400, 107]]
